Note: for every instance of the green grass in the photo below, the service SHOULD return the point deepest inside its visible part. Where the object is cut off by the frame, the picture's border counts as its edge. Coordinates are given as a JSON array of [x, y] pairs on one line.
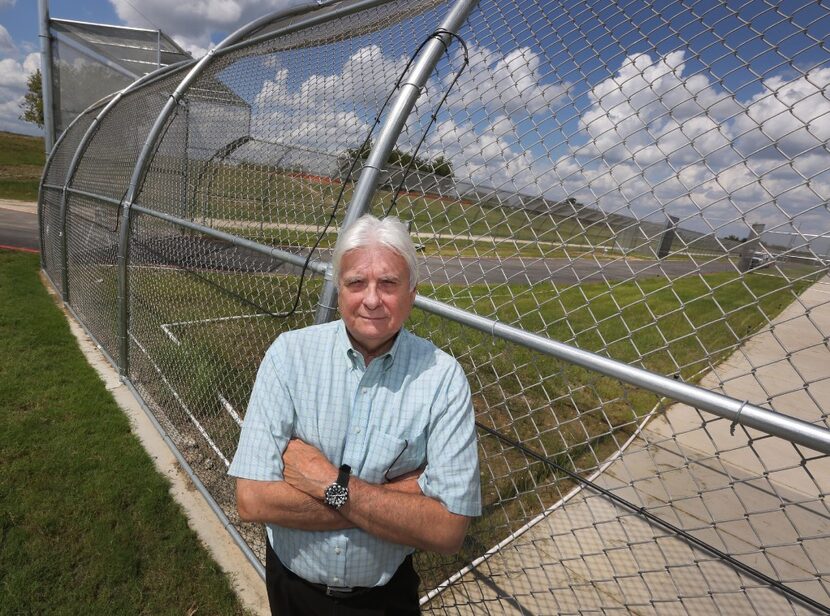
[[21, 150], [21, 164], [88, 525], [675, 328], [19, 189]]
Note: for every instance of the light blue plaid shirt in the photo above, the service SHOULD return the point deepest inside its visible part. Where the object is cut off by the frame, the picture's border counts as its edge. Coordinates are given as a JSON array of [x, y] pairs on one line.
[[408, 407]]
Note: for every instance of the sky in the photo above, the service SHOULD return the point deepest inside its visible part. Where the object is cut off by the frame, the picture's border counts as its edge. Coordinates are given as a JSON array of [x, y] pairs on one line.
[[717, 113]]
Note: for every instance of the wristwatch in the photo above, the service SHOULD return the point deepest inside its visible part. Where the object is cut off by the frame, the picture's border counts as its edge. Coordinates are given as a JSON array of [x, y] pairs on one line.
[[337, 494]]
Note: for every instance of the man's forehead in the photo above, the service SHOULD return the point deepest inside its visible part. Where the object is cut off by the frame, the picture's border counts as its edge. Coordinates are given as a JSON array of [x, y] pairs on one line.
[[374, 258]]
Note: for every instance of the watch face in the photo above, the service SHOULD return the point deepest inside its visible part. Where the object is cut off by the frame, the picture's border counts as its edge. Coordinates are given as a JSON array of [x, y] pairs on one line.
[[336, 495]]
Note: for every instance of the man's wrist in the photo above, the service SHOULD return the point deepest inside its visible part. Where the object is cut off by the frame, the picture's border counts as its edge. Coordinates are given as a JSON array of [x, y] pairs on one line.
[[337, 494]]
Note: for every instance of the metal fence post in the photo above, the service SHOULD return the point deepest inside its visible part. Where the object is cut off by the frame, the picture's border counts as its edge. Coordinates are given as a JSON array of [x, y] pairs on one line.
[[668, 237], [749, 247], [46, 75], [389, 133]]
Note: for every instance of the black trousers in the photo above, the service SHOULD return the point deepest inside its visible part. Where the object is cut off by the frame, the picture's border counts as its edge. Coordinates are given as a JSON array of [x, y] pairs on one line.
[[290, 595]]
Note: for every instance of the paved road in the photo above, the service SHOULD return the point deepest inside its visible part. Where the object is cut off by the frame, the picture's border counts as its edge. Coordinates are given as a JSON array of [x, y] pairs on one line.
[[18, 224]]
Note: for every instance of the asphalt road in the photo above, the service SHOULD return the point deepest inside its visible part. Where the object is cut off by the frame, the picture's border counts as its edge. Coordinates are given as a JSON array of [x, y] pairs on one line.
[[18, 228], [18, 225]]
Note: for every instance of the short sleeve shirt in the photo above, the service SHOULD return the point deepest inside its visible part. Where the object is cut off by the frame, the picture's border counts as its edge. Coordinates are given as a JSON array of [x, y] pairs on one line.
[[408, 408]]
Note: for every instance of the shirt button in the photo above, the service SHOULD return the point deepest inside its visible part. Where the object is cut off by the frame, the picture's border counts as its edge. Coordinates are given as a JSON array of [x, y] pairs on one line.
[[337, 579], [363, 390], [337, 550], [357, 431]]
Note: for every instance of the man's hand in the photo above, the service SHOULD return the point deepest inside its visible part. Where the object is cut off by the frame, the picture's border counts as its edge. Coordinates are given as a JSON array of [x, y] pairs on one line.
[[406, 483], [307, 469]]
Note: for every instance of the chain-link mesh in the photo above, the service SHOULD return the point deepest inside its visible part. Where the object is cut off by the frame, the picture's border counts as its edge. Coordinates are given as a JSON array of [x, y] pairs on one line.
[[237, 164], [643, 181], [54, 179]]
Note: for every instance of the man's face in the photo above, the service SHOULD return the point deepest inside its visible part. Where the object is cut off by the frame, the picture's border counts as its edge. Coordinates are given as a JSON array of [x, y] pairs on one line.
[[374, 297]]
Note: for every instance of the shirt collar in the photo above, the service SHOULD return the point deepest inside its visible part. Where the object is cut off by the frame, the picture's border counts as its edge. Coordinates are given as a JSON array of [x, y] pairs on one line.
[[345, 346]]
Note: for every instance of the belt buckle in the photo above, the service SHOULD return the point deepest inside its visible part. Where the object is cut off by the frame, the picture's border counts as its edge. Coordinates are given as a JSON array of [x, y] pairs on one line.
[[335, 590]]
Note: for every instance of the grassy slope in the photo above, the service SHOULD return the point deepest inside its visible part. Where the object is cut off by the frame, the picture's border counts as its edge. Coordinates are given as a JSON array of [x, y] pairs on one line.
[[88, 525], [21, 162]]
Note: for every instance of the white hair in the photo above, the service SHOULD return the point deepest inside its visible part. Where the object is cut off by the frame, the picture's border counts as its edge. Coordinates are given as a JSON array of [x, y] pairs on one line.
[[371, 231]]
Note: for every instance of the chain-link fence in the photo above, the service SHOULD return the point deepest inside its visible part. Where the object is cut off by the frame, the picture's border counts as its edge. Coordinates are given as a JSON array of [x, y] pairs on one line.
[[621, 212]]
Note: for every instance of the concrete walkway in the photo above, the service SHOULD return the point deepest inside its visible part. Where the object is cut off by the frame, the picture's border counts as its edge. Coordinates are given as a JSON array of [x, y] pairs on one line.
[[755, 497]]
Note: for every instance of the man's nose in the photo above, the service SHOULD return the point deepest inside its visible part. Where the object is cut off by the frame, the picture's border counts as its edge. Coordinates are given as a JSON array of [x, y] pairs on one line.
[[371, 299]]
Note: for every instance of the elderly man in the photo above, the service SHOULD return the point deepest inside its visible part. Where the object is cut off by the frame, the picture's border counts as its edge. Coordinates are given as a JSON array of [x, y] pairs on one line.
[[359, 443]]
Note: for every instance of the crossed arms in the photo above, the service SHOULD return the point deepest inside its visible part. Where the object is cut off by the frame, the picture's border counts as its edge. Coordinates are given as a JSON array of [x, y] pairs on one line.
[[397, 511]]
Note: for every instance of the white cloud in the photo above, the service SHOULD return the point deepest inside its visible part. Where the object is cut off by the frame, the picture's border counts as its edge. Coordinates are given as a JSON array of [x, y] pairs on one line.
[[325, 113], [649, 111], [364, 80], [658, 141], [505, 83], [334, 131], [192, 21], [340, 102], [656, 136], [655, 140], [7, 46], [788, 118], [12, 74]]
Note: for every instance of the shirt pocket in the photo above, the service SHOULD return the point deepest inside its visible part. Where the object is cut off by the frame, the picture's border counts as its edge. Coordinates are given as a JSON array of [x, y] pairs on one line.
[[390, 456]]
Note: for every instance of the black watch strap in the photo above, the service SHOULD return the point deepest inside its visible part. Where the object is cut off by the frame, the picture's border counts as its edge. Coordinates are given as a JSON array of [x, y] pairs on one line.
[[337, 494], [344, 474]]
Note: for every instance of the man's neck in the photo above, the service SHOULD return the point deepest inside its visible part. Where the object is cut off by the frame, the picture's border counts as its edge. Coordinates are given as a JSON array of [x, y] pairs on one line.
[[372, 353]]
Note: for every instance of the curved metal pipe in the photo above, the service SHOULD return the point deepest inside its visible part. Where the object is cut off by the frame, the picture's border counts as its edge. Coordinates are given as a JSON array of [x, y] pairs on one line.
[[50, 157], [307, 22], [44, 174], [410, 90]]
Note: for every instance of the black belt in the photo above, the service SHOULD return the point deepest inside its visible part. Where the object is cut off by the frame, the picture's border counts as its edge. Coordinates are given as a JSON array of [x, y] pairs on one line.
[[338, 592]]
